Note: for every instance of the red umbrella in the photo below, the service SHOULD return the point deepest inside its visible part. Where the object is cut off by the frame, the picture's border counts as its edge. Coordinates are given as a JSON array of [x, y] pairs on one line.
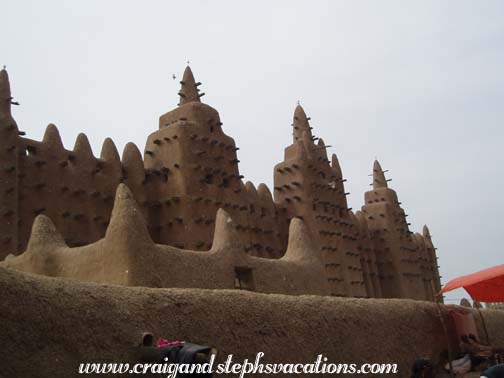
[[484, 286]]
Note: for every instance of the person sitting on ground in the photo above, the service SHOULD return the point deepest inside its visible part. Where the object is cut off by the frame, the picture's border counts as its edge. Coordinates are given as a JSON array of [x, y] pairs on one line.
[[479, 353]]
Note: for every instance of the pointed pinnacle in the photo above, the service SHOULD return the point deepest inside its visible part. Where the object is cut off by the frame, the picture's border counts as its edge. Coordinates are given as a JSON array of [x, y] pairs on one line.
[[300, 124], [426, 232], [379, 180], [189, 88], [5, 93], [336, 166]]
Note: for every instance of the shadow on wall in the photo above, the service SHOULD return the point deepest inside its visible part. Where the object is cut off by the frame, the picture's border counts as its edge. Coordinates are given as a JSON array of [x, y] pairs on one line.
[[128, 256]]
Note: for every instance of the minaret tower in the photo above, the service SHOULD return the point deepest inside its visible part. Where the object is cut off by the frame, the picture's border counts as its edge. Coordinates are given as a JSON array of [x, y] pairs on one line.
[[187, 136], [192, 171], [311, 187], [396, 250], [190, 163]]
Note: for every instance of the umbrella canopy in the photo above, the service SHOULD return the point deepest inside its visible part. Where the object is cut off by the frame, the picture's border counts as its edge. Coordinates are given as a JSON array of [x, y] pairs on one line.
[[484, 286]]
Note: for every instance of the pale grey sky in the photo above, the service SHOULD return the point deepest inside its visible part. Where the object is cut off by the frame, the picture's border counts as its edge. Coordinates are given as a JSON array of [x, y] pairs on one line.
[[418, 84]]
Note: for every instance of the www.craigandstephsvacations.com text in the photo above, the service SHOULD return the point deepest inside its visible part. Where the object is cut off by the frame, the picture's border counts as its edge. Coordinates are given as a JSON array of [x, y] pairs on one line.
[[240, 369]]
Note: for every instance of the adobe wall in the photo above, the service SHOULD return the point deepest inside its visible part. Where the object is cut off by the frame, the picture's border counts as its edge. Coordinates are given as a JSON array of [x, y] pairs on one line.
[[49, 326]]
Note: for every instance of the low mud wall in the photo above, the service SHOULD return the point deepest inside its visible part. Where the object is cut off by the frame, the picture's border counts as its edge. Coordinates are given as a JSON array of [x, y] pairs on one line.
[[50, 325]]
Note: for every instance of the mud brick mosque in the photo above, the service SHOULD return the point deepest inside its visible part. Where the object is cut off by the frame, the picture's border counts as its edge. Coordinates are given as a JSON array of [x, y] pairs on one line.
[[181, 216]]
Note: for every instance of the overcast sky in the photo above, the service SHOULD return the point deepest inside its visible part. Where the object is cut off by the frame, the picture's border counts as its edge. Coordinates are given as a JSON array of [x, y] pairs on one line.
[[417, 84]]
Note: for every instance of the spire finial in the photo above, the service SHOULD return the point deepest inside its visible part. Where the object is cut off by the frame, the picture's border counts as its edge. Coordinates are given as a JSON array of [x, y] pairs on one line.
[[300, 124], [5, 94], [336, 167], [189, 88], [379, 180], [426, 232]]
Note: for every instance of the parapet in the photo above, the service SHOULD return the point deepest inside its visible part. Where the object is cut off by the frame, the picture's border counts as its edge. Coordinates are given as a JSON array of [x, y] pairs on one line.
[[128, 256]]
